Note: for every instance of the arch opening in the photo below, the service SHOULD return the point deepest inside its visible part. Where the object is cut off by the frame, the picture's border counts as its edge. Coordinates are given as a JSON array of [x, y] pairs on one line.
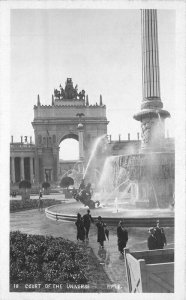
[[69, 148]]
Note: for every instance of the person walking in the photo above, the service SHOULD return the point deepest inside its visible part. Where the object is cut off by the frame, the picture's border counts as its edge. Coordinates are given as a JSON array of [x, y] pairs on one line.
[[80, 228], [152, 241], [40, 204], [87, 220], [122, 235], [40, 194], [160, 236], [101, 231]]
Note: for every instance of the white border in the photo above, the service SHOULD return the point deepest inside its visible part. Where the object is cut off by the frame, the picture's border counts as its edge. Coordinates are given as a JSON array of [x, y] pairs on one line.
[[180, 231]]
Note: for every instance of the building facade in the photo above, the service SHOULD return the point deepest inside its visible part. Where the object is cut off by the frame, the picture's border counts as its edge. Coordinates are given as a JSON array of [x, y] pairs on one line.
[[69, 116]]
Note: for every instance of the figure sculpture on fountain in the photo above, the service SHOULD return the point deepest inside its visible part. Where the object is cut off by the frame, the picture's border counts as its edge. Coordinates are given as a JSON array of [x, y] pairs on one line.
[[84, 195]]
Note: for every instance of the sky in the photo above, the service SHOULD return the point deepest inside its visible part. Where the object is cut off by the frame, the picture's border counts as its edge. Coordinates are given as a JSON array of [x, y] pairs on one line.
[[100, 50]]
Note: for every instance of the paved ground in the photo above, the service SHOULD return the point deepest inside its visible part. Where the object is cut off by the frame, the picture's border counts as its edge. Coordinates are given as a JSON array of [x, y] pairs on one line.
[[35, 222]]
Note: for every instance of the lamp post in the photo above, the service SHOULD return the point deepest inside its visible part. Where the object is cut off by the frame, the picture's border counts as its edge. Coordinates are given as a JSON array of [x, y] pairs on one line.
[[80, 128]]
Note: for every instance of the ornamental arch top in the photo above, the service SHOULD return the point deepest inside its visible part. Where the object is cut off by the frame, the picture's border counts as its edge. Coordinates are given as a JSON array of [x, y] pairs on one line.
[[69, 116]]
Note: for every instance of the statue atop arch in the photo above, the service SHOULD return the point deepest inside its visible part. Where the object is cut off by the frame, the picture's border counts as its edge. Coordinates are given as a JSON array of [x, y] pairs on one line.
[[69, 92]]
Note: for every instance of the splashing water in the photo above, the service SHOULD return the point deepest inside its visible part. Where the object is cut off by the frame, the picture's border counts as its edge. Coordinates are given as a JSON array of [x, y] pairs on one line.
[[159, 117], [121, 184], [97, 141], [106, 179], [155, 195], [116, 204]]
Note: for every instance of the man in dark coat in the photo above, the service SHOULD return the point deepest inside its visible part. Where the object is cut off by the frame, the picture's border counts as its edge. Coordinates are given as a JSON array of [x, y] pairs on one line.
[[160, 236], [101, 232], [122, 235], [87, 220], [80, 228], [152, 241]]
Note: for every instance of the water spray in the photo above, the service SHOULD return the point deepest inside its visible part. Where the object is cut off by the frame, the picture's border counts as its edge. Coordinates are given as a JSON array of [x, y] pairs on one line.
[[97, 141]]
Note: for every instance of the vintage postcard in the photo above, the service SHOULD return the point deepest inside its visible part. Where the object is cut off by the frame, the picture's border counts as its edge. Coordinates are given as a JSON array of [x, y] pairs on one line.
[[92, 149]]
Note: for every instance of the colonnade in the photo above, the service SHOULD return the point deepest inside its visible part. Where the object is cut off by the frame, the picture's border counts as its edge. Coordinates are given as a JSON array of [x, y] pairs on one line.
[[22, 167]]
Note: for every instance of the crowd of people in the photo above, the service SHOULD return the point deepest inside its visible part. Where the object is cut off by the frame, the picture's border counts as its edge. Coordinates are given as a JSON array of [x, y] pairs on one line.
[[83, 225], [156, 239]]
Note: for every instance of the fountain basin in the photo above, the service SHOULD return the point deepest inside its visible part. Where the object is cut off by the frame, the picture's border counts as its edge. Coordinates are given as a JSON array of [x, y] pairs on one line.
[[131, 217]]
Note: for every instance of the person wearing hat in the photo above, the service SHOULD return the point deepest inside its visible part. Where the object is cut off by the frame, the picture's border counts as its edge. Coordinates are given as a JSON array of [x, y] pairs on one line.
[[80, 228], [160, 236], [101, 231], [122, 235], [152, 241], [87, 220]]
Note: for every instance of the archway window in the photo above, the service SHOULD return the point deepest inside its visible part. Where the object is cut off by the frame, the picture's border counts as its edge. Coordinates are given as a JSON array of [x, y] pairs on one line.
[[69, 149]]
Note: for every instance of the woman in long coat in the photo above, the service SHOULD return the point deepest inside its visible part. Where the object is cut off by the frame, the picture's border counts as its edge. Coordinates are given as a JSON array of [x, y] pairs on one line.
[[101, 231], [80, 228]]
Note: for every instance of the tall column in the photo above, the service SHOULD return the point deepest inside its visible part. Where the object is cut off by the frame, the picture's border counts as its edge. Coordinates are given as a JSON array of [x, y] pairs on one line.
[[151, 116], [31, 170], [13, 169], [22, 169], [150, 56], [81, 148]]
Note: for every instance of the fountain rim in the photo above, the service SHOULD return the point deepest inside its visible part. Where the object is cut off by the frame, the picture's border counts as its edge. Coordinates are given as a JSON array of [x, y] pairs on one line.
[[129, 221]]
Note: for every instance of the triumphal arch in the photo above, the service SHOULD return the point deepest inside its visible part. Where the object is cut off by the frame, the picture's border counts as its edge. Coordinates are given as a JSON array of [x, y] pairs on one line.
[[69, 116]]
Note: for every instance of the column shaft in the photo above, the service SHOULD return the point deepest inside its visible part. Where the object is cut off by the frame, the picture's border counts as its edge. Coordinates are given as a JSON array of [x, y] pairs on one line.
[[150, 58], [31, 170], [22, 169], [13, 169]]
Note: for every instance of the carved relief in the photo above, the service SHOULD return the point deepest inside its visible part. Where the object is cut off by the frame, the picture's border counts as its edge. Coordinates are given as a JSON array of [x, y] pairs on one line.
[[39, 139], [50, 141], [44, 141], [146, 127], [54, 139]]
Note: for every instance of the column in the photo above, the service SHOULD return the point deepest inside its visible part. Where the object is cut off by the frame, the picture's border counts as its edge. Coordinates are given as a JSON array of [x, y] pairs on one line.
[[13, 169], [22, 169], [152, 115], [31, 170], [150, 57]]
